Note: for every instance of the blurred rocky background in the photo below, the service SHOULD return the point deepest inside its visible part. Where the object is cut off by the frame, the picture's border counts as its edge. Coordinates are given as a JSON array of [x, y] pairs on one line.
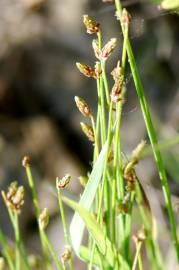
[[40, 41]]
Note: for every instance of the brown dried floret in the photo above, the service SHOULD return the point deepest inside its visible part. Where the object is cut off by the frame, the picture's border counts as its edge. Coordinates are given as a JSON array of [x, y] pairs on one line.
[[88, 130], [86, 70], [83, 107], [63, 182], [108, 49], [14, 197]]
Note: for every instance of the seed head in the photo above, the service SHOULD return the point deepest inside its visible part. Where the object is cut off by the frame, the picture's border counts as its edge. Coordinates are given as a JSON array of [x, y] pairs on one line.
[[98, 70], [108, 49], [62, 183], [92, 26], [86, 70], [125, 18], [26, 161], [136, 154], [96, 49], [44, 219], [117, 72], [116, 91], [83, 107], [66, 256], [88, 130], [141, 236], [14, 198]]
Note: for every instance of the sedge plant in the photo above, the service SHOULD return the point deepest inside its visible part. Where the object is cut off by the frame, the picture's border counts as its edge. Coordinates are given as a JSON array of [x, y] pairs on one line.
[[113, 195]]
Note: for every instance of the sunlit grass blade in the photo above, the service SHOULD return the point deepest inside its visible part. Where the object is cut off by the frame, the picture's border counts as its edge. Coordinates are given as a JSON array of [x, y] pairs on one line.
[[77, 225]]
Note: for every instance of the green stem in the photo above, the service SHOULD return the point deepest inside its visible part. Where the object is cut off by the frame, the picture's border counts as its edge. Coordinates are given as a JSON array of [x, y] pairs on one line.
[[118, 177], [101, 195], [20, 250], [153, 138], [138, 249], [106, 87], [52, 251], [96, 148], [5, 251], [140, 261], [37, 210], [33, 190], [150, 242], [65, 229], [17, 238]]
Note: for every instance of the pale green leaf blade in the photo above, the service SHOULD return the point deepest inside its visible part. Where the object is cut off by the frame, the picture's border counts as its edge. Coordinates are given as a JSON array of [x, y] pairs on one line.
[[77, 225]]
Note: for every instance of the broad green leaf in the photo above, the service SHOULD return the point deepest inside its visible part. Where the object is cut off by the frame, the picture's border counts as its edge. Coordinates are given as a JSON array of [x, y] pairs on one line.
[[106, 248], [77, 225]]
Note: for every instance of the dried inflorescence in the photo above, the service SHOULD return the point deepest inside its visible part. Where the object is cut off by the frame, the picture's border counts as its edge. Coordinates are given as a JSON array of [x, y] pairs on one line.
[[123, 205], [83, 107], [108, 49], [105, 52], [118, 89], [63, 182], [98, 70], [125, 17], [88, 131], [66, 256], [86, 70], [44, 219], [129, 169], [92, 26], [141, 236], [14, 197], [95, 46], [26, 161]]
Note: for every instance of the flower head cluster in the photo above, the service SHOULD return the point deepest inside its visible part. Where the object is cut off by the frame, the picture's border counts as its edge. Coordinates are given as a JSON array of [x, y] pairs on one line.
[[117, 90], [14, 197], [129, 170], [83, 107], [63, 182], [88, 131], [92, 26], [44, 219], [105, 52]]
